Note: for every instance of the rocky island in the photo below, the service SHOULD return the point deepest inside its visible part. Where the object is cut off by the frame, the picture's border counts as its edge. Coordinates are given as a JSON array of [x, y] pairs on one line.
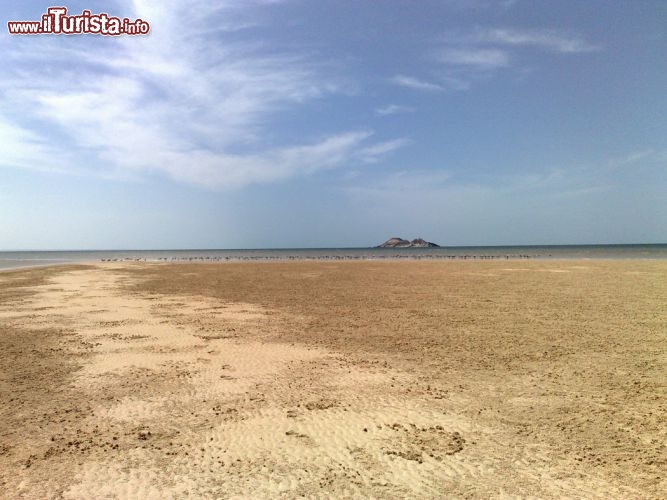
[[401, 243]]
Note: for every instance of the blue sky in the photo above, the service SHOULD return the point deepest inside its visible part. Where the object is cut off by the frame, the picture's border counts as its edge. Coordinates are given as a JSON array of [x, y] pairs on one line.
[[296, 123]]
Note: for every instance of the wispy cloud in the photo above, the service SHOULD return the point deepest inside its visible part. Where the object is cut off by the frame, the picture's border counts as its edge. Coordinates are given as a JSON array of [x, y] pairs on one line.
[[555, 182], [179, 102], [547, 39], [24, 148], [480, 53], [415, 83], [374, 153], [392, 109], [229, 170], [444, 83], [635, 157], [478, 58]]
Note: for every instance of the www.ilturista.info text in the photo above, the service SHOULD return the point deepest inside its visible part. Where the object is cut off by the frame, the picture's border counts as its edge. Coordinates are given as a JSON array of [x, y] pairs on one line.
[[57, 22]]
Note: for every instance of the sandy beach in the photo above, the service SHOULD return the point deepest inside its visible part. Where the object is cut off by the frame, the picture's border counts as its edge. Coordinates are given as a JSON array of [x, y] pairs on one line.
[[384, 379]]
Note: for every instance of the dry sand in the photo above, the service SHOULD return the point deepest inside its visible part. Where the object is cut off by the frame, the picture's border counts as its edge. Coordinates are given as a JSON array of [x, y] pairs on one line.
[[380, 379]]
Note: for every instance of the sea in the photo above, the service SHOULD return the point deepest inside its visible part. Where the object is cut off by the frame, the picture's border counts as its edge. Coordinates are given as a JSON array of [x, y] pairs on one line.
[[9, 260]]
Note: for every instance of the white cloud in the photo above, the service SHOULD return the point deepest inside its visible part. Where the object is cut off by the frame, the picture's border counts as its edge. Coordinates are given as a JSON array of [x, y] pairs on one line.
[[415, 83], [179, 102], [372, 154], [230, 171], [25, 149], [445, 83], [548, 39], [392, 109], [480, 53], [478, 58]]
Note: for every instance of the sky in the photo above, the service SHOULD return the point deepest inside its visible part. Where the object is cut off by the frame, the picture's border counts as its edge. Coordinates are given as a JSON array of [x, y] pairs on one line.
[[336, 123]]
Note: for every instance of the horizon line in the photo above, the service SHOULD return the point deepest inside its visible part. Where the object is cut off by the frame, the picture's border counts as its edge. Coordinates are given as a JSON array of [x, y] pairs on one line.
[[325, 248]]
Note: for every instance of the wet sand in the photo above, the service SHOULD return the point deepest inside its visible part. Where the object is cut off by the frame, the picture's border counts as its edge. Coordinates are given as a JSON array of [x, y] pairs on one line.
[[361, 378]]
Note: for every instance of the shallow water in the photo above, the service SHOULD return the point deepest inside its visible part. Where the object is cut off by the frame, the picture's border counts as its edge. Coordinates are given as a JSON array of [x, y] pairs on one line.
[[37, 258]]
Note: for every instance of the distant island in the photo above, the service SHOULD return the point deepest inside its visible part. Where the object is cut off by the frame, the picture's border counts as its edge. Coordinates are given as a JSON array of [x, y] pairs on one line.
[[401, 243]]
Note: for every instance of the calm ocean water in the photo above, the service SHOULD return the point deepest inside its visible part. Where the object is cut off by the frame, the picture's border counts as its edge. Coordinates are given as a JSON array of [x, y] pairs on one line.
[[34, 258]]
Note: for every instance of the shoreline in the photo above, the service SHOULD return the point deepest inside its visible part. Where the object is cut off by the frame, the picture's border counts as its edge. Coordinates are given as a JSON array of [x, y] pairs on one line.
[[18, 259], [29, 267], [331, 259]]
